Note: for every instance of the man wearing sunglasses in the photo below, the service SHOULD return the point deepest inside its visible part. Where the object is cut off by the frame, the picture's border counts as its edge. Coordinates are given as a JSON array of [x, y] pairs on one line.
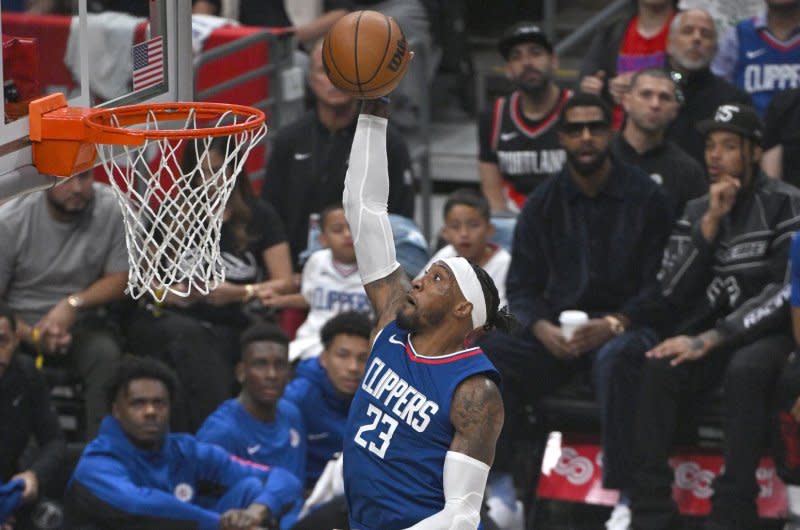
[[589, 238]]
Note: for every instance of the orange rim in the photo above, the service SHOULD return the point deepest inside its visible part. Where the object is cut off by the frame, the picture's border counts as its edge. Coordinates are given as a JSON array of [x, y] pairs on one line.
[[100, 120]]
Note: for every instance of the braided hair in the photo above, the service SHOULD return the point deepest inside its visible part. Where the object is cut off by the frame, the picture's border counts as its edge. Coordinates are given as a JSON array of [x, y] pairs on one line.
[[496, 317]]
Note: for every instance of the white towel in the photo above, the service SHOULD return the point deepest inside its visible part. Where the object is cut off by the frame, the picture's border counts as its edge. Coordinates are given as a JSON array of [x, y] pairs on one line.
[[203, 26], [329, 485]]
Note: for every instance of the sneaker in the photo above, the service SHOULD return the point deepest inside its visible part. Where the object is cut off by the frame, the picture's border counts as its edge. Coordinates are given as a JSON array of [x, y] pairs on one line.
[[504, 516], [620, 518]]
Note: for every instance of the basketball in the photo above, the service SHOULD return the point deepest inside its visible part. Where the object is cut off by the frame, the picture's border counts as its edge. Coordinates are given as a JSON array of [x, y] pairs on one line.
[[365, 54]]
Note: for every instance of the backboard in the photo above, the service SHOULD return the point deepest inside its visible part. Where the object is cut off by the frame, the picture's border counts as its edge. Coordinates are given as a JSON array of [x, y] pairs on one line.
[[95, 59]]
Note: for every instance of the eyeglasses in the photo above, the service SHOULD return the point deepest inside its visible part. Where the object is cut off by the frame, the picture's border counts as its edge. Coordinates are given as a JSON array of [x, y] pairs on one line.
[[575, 128]]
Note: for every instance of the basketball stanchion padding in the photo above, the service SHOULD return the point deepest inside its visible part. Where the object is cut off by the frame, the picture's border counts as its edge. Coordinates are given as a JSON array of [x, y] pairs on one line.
[[172, 214]]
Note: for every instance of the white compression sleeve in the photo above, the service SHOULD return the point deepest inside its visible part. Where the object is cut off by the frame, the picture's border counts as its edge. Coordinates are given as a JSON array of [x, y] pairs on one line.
[[464, 483], [366, 191]]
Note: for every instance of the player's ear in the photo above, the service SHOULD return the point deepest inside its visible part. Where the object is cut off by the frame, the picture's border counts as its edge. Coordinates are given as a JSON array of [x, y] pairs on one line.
[[463, 310]]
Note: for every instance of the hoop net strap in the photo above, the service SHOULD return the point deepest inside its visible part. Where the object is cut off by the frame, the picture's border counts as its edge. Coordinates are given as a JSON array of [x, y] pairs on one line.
[[173, 215]]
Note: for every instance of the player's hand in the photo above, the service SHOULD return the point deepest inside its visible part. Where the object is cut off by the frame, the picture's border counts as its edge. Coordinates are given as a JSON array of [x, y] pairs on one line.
[[550, 335], [589, 336], [593, 84], [618, 86], [681, 348], [31, 491]]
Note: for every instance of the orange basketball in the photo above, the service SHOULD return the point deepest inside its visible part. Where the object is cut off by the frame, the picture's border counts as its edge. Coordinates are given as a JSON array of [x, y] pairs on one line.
[[365, 54]]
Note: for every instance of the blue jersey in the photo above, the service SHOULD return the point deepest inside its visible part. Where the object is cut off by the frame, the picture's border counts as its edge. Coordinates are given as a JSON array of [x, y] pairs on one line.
[[794, 265], [765, 65], [324, 412], [398, 431], [279, 443]]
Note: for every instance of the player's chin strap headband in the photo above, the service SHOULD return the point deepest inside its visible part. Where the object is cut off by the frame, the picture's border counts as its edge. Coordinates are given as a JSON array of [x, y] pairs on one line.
[[470, 287]]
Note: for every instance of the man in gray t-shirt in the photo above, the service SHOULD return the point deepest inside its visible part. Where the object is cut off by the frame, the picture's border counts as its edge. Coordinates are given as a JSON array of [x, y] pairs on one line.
[[63, 258]]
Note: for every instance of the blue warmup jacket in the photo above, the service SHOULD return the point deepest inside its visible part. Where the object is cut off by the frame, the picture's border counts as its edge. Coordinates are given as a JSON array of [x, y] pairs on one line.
[[279, 443], [324, 412], [117, 485]]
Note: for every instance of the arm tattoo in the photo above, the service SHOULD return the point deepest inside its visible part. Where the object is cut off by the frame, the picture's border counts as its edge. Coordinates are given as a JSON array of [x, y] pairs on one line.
[[477, 415], [697, 344]]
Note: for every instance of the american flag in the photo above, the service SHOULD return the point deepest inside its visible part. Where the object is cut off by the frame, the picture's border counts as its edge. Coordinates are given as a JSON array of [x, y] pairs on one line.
[[148, 63]]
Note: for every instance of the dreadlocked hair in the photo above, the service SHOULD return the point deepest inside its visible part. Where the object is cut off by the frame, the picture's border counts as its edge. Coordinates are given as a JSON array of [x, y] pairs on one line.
[[496, 317]]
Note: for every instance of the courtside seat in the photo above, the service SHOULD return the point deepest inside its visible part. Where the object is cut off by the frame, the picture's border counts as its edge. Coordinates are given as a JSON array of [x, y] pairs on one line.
[[574, 409], [67, 397]]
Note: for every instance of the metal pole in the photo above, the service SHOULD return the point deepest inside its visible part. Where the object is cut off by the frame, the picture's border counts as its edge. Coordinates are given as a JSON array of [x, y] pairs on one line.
[[549, 15]]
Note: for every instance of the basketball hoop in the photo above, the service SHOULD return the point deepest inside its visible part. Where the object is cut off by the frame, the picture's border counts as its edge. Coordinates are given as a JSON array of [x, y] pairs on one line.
[[172, 214]]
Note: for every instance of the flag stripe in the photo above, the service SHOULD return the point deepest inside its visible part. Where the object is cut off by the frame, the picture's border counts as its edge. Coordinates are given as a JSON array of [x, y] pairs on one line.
[[148, 63]]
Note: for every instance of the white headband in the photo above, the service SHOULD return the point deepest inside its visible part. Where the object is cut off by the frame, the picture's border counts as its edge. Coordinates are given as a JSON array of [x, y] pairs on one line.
[[471, 288]]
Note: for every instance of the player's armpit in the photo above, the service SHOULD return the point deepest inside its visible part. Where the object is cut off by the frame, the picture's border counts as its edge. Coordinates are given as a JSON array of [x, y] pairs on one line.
[[477, 415], [387, 295]]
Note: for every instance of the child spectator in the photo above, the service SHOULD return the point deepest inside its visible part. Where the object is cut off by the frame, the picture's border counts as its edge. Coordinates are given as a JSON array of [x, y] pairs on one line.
[[467, 229], [330, 284]]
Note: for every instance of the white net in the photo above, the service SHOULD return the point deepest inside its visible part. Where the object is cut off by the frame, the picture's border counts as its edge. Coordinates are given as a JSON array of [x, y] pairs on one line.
[[173, 214]]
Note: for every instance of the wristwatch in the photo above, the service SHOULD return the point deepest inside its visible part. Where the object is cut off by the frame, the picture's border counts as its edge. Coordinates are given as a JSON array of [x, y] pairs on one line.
[[615, 324], [75, 302]]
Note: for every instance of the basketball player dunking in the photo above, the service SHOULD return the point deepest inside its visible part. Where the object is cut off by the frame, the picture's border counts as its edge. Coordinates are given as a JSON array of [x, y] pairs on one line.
[[421, 433]]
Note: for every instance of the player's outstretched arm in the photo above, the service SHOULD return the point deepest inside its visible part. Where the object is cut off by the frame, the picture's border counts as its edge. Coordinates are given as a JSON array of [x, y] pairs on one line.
[[366, 192], [477, 414]]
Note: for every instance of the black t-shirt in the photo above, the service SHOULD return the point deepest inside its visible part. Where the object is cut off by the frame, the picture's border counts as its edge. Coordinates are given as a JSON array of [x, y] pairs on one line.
[[265, 230], [306, 173], [782, 127], [525, 151], [669, 166]]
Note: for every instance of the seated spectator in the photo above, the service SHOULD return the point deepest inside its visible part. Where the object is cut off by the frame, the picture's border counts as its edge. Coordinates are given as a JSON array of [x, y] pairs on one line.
[[330, 284], [467, 229], [518, 136], [761, 53], [691, 47], [786, 405], [724, 278], [25, 414], [272, 14], [63, 262], [198, 335], [588, 239], [650, 105], [726, 14], [632, 42], [308, 160], [260, 425], [324, 386], [136, 474], [781, 137]]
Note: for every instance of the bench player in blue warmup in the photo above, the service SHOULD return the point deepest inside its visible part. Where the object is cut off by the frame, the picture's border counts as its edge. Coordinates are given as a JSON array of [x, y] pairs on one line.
[[421, 433]]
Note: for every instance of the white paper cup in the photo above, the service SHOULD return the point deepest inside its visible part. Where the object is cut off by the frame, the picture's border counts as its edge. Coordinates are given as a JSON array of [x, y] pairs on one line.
[[570, 321]]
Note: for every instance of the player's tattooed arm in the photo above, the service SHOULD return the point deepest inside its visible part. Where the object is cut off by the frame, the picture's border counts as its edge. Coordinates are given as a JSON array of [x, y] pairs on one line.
[[388, 294], [477, 415]]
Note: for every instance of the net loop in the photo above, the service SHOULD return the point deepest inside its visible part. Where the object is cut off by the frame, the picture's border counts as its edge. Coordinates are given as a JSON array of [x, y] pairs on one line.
[[173, 215]]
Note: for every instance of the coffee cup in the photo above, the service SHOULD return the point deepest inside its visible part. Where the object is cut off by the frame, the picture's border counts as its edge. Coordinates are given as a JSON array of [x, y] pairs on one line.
[[570, 321]]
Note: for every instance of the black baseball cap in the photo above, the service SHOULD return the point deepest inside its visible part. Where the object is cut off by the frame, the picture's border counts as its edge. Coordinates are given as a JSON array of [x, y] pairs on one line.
[[736, 118], [523, 32]]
